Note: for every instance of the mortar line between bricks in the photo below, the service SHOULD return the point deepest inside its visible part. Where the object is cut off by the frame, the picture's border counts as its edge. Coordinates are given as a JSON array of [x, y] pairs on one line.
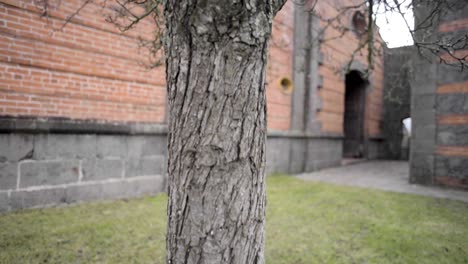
[[124, 168], [18, 175], [9, 198], [80, 170], [85, 183], [46, 160]]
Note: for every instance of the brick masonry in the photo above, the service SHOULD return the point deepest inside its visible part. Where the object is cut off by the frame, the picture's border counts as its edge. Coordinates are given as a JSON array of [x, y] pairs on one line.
[[336, 53], [439, 149], [89, 70], [290, 152], [320, 63]]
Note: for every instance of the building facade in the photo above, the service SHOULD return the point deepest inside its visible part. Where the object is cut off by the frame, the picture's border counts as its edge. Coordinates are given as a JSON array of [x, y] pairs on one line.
[[81, 119]]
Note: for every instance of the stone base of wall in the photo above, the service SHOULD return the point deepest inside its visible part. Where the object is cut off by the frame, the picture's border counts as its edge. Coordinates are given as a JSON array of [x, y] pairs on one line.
[[47, 164], [47, 196], [289, 152], [38, 170], [421, 168], [376, 149], [446, 171]]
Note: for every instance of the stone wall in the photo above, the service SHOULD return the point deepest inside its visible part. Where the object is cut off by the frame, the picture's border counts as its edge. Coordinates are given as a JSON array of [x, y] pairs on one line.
[[439, 107], [292, 152], [397, 96], [51, 162], [40, 168], [376, 148]]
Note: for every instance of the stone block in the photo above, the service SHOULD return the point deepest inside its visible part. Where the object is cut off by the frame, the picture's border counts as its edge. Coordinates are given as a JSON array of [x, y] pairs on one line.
[[452, 135], [456, 167], [421, 168], [311, 165], [149, 186], [298, 155], [115, 189], [465, 105], [423, 145], [451, 74], [277, 155], [424, 102], [458, 11], [140, 146], [423, 117], [83, 192], [15, 147], [423, 79], [423, 136], [54, 146], [316, 154], [4, 202], [133, 187], [325, 149], [155, 165], [111, 146], [37, 173], [322, 152], [23, 199], [374, 149], [317, 145], [8, 175], [100, 169], [451, 104], [314, 165]]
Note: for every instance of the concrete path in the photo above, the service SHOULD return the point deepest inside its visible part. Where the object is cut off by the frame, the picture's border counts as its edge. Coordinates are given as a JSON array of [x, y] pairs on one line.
[[382, 175]]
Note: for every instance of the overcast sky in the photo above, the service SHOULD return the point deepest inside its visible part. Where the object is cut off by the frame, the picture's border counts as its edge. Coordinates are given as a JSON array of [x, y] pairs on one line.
[[393, 28]]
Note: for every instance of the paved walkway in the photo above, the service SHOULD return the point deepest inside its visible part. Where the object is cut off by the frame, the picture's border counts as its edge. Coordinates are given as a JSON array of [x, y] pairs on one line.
[[383, 175]]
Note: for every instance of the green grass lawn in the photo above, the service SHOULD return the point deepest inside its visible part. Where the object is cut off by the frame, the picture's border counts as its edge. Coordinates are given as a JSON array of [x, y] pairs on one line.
[[306, 223]]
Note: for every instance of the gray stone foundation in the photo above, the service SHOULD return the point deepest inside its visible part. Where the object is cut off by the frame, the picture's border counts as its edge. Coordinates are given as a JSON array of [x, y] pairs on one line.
[[52, 162], [290, 152], [376, 148], [40, 168]]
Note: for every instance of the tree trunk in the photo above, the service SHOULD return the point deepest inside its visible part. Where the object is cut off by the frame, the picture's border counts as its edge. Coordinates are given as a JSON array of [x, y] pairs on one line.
[[215, 62]]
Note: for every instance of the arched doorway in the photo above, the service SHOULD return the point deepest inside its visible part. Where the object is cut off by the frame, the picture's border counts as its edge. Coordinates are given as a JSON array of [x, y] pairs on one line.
[[355, 99]]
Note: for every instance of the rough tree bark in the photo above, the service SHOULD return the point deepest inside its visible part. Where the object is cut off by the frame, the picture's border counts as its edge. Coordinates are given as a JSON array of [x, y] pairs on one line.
[[215, 62]]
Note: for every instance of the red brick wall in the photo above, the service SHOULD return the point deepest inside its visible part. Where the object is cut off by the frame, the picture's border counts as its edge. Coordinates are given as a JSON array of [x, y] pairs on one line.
[[86, 71], [89, 70], [337, 52], [280, 65]]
